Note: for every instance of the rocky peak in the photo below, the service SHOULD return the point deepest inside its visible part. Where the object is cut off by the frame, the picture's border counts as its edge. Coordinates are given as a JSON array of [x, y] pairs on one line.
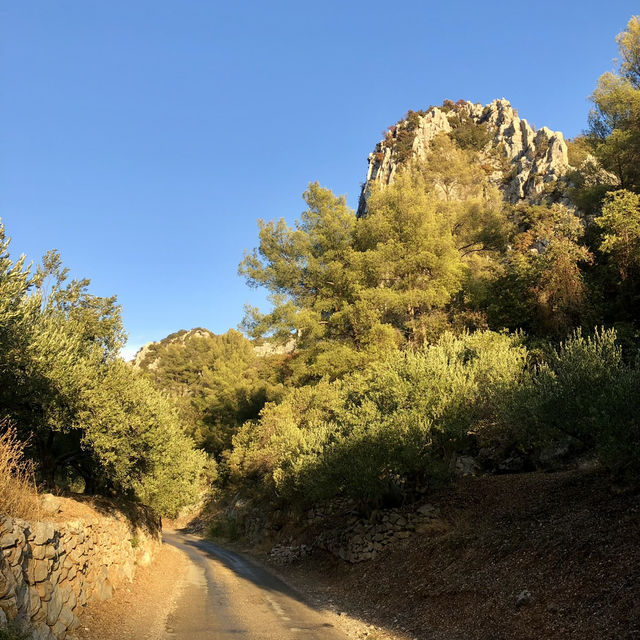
[[533, 160]]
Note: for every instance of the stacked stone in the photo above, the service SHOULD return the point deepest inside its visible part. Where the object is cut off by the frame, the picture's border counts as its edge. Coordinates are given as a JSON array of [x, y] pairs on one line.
[[357, 540], [362, 540], [285, 554], [48, 571]]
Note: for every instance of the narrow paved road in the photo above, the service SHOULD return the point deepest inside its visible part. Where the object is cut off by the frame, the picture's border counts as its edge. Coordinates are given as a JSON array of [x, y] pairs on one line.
[[228, 596]]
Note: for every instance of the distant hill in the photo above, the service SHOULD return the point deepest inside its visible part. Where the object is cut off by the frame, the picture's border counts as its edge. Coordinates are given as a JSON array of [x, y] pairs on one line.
[[149, 355], [217, 381]]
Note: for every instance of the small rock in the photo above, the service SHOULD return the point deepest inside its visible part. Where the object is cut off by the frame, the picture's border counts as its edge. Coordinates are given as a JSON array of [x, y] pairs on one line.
[[8, 540], [524, 598], [466, 466], [50, 504], [427, 510]]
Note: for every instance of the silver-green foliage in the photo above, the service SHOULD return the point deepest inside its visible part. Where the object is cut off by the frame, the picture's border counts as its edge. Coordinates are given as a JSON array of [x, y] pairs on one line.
[[399, 421], [384, 431], [79, 406], [587, 391]]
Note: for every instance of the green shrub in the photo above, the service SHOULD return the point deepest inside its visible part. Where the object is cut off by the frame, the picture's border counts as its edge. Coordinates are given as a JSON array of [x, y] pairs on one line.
[[470, 135], [585, 390], [11, 632], [377, 434], [224, 527]]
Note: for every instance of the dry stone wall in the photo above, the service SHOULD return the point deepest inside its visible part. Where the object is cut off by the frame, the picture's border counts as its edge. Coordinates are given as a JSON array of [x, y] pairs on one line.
[[356, 539], [362, 540], [335, 526], [50, 570]]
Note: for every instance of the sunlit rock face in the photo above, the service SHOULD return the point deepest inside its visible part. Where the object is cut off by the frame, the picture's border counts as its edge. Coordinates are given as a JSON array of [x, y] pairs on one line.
[[525, 163]]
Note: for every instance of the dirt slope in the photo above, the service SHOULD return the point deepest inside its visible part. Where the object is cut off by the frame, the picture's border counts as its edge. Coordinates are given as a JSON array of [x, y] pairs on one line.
[[570, 539], [138, 611]]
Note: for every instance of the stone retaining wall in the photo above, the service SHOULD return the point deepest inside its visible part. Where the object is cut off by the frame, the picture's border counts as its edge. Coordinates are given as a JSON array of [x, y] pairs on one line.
[[336, 526], [361, 540], [50, 570], [356, 539]]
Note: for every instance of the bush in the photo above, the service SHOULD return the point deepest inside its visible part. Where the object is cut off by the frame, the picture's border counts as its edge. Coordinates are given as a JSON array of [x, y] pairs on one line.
[[378, 434], [137, 441], [585, 390], [470, 135], [12, 633], [224, 527]]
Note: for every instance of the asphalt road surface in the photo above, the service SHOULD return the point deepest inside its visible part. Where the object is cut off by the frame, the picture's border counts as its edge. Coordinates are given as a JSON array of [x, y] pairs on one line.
[[227, 596]]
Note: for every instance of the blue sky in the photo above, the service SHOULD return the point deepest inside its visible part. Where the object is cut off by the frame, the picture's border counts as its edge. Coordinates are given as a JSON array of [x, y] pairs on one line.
[[143, 138]]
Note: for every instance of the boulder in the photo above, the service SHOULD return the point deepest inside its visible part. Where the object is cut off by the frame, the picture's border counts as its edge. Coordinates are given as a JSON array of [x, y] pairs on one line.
[[427, 510], [50, 504]]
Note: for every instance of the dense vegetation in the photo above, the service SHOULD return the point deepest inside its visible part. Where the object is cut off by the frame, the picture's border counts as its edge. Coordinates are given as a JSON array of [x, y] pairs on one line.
[[382, 434], [89, 420], [402, 362], [217, 382]]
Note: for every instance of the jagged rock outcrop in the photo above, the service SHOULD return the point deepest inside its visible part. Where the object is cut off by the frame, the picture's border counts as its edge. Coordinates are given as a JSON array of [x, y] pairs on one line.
[[271, 348], [592, 173], [533, 161], [141, 356]]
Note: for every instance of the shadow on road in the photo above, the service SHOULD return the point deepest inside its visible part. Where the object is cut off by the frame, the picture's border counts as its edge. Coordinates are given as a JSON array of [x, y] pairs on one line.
[[242, 566]]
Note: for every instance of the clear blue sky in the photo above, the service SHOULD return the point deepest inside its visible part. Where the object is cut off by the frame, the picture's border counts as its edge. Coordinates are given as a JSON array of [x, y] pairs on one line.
[[143, 138]]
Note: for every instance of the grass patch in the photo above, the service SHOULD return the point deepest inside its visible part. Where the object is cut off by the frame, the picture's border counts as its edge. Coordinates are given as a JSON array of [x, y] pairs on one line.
[[18, 494]]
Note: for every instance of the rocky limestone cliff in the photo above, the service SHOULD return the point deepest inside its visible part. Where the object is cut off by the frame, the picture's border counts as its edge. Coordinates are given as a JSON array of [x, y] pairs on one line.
[[533, 161]]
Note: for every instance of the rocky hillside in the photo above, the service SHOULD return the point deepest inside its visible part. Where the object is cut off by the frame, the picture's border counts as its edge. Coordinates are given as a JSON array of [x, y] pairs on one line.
[[148, 356], [525, 163]]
